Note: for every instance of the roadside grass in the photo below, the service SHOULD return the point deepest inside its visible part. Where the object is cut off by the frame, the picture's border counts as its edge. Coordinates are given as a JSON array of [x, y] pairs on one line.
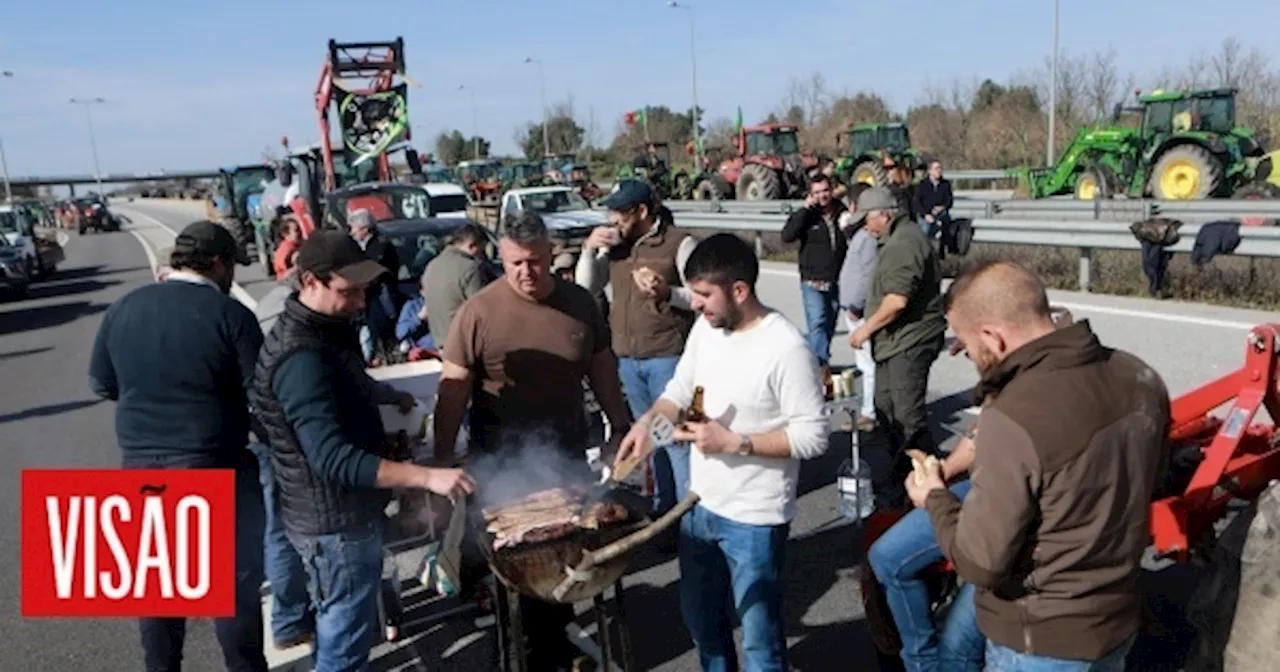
[[1238, 282]]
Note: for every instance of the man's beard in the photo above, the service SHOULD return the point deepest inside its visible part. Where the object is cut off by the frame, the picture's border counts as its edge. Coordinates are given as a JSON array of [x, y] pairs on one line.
[[983, 360], [731, 319]]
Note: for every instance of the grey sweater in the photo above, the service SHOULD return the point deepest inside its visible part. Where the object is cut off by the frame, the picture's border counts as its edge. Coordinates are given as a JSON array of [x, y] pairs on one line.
[[855, 272]]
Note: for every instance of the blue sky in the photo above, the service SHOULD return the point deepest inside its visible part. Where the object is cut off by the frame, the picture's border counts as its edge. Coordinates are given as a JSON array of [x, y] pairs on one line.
[[197, 84]]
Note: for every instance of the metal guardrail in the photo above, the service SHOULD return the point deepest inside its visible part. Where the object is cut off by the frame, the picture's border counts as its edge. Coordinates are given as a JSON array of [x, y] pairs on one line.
[[1064, 209], [1085, 236], [978, 175]]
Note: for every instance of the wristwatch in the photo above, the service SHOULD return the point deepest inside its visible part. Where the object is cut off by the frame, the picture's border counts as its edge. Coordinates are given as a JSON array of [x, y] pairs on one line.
[[745, 446]]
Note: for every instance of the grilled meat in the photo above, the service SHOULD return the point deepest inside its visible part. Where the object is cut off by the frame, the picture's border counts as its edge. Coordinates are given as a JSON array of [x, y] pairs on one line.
[[547, 515]]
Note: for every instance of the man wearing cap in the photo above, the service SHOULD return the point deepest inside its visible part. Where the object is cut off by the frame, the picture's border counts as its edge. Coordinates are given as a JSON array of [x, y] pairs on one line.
[[905, 325], [178, 358], [320, 411], [382, 303], [641, 256]]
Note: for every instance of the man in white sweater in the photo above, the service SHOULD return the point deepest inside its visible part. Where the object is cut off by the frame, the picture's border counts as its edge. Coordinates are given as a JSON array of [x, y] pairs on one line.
[[763, 400]]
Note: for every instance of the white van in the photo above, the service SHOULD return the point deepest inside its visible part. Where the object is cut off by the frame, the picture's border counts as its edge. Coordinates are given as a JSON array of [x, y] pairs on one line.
[[447, 200]]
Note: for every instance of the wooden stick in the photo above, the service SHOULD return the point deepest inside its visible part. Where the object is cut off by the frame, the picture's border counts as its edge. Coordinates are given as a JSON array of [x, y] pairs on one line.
[[593, 559]]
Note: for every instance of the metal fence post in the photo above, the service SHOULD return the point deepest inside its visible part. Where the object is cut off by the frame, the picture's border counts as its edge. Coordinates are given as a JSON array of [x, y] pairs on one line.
[[1086, 268], [759, 245]]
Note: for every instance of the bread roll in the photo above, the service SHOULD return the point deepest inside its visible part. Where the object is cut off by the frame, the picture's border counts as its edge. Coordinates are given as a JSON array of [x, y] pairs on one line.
[[922, 465]]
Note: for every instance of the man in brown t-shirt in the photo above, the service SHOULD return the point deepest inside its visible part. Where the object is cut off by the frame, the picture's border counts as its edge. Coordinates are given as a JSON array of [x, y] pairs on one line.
[[518, 349]]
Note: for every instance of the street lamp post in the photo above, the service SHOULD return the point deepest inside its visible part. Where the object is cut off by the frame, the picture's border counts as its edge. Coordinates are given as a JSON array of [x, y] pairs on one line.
[[88, 104], [475, 125], [4, 163], [1053, 86], [693, 57], [542, 80]]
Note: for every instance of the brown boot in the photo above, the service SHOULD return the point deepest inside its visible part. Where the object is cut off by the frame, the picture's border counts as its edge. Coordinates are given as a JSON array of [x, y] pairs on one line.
[[828, 387]]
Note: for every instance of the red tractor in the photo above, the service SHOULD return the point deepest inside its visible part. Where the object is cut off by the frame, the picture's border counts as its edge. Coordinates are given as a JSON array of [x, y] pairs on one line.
[[769, 166], [1220, 464]]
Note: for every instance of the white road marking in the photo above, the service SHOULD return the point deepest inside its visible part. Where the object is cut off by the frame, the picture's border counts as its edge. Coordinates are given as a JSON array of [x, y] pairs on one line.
[[1106, 310], [236, 290], [146, 247]]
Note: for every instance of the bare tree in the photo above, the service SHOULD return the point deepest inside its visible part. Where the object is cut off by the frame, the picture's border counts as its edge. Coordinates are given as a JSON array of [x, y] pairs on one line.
[[815, 96], [1102, 82]]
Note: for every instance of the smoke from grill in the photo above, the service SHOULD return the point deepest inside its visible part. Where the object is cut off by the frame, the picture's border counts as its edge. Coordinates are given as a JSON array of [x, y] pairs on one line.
[[529, 461]]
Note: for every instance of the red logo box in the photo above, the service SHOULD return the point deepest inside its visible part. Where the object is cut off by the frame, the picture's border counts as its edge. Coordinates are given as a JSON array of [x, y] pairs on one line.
[[124, 542]]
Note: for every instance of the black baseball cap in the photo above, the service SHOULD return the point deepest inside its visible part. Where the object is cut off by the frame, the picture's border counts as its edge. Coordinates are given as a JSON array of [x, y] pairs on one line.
[[207, 240], [630, 193], [336, 253]]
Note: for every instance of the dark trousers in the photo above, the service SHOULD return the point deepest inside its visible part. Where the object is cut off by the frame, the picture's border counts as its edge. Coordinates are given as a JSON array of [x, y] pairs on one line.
[[240, 637], [1155, 262], [902, 381]]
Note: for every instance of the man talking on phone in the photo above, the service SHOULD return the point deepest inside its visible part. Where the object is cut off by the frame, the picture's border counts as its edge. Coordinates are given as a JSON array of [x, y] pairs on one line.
[[641, 256]]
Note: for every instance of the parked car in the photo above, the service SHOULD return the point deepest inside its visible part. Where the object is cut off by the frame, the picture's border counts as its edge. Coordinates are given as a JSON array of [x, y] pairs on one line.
[[14, 273], [39, 256], [567, 214]]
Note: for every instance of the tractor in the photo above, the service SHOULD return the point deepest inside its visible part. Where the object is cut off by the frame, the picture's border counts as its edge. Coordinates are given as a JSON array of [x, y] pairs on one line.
[[1217, 507], [557, 166], [1186, 147], [769, 166], [521, 175], [480, 179], [874, 147], [670, 183], [237, 191]]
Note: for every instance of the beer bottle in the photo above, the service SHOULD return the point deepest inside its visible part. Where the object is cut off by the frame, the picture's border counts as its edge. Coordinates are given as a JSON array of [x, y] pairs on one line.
[[695, 412]]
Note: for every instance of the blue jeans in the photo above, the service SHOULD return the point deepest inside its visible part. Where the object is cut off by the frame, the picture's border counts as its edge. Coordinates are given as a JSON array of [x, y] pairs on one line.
[[344, 576], [1003, 659], [290, 614], [820, 311], [720, 558], [897, 558], [643, 381], [240, 638]]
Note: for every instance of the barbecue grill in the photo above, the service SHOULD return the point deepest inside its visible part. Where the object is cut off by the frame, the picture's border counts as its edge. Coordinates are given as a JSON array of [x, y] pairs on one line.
[[568, 569]]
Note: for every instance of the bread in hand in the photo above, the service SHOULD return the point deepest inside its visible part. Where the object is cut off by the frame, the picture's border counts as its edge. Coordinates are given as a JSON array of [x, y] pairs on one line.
[[922, 465]]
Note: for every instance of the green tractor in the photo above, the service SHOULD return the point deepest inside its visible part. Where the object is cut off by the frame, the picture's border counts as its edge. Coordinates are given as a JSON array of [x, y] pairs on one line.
[[236, 193], [1185, 147], [521, 175], [870, 146], [671, 183]]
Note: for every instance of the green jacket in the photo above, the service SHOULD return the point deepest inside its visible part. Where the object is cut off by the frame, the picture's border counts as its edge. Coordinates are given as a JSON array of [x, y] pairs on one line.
[[906, 264]]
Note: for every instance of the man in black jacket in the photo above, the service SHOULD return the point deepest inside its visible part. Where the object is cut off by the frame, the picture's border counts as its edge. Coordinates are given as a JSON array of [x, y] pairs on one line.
[[320, 411], [933, 202], [178, 357], [822, 250]]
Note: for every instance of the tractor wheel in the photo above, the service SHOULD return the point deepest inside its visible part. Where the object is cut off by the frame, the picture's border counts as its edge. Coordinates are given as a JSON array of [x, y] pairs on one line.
[[1257, 192], [1185, 173], [758, 183], [683, 189], [1092, 184], [711, 189], [871, 173]]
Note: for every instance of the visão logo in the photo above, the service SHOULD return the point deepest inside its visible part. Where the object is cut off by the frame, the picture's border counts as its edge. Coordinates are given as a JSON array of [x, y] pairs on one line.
[[119, 542]]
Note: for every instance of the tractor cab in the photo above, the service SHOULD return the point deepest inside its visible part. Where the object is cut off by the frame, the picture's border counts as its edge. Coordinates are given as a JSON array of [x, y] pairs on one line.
[[480, 179], [556, 166], [873, 149], [524, 174], [1192, 144], [772, 140]]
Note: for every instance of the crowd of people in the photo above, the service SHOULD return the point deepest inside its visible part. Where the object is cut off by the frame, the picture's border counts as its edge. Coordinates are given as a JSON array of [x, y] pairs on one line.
[[1042, 511]]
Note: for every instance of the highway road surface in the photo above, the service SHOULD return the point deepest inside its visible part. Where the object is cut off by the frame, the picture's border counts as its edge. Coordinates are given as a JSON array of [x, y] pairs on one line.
[[50, 419]]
